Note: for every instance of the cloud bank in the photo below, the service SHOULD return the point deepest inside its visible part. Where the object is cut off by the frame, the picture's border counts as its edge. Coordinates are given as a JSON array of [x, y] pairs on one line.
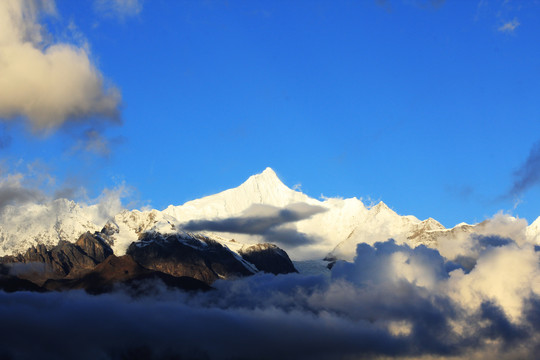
[[393, 301], [48, 84]]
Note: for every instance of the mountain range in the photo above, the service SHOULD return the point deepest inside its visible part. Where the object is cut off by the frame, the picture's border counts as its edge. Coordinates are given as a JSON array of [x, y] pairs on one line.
[[261, 210]]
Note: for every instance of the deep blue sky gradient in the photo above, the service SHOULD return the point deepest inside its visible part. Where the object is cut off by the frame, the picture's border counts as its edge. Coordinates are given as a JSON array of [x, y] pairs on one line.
[[428, 108]]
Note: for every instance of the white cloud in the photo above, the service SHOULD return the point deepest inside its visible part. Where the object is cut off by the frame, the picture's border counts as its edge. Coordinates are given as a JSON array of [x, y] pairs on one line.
[[509, 26], [505, 275], [49, 84], [393, 301]]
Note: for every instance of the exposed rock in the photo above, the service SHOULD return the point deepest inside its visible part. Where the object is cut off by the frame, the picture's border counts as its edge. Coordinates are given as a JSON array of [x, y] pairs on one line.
[[180, 260], [268, 258], [124, 271], [194, 256], [94, 246], [63, 260]]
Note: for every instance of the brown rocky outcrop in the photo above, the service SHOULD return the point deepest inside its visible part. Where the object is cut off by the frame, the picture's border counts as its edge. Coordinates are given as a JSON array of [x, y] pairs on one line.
[[63, 260], [268, 258], [197, 257], [123, 271], [182, 261]]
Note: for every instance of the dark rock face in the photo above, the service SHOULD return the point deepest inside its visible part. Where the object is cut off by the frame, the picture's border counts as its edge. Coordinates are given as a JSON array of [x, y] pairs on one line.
[[268, 258], [94, 246], [194, 256], [182, 261], [63, 260], [124, 271]]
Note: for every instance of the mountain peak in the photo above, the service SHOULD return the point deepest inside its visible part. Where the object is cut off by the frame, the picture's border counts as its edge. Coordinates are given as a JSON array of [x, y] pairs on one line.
[[380, 206], [267, 177], [269, 173]]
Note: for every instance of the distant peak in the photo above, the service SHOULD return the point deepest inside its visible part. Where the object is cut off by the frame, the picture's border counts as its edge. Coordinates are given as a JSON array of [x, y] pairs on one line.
[[380, 206], [269, 172], [268, 175], [266, 179], [433, 224]]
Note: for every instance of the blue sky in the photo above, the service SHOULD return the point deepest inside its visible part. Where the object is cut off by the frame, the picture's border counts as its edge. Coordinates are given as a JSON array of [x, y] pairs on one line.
[[429, 106]]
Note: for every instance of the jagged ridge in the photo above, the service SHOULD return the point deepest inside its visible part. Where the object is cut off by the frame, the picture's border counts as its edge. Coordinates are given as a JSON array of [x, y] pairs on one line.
[[337, 230]]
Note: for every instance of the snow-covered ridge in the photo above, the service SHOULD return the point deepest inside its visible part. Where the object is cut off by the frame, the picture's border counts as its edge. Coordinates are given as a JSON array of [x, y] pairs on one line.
[[334, 231], [264, 188], [29, 224]]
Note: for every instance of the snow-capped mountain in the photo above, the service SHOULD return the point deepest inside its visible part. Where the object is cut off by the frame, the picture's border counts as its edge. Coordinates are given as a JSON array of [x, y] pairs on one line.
[[533, 231], [30, 224], [264, 188], [262, 209]]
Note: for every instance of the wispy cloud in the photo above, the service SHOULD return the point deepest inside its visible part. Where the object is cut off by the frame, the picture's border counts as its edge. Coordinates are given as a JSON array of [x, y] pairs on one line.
[[528, 174], [118, 8], [510, 26], [93, 141]]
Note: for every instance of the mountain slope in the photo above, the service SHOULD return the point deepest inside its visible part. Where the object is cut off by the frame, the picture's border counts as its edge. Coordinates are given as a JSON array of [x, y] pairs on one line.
[[31, 224], [264, 188], [331, 226]]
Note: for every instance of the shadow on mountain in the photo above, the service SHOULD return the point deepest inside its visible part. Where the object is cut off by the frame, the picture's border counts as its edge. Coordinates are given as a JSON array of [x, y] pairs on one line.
[[198, 257], [124, 272]]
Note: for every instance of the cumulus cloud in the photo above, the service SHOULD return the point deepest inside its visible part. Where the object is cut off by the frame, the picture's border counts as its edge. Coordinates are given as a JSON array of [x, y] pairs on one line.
[[504, 225], [49, 84], [388, 262], [264, 220], [118, 8], [504, 275], [465, 243], [510, 26], [392, 301]]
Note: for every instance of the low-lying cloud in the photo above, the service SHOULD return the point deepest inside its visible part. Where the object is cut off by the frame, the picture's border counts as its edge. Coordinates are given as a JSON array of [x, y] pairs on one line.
[[392, 301], [264, 220], [48, 84]]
